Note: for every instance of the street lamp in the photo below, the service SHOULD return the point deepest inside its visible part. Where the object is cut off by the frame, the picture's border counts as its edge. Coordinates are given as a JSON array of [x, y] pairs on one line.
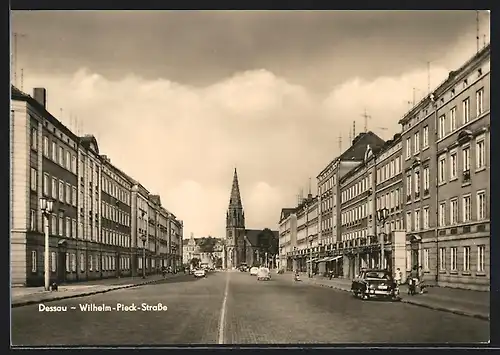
[[310, 257], [281, 256], [382, 215], [144, 238], [46, 205]]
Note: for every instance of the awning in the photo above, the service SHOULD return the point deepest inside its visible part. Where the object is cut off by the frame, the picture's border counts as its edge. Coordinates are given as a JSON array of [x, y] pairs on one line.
[[313, 260], [323, 259]]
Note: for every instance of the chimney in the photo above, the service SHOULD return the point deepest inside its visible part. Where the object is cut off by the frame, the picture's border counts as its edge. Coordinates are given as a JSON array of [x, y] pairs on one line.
[[40, 95]]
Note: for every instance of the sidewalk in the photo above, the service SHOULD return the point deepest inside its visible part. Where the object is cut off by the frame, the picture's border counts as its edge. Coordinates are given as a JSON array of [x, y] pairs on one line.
[[464, 302], [23, 296]]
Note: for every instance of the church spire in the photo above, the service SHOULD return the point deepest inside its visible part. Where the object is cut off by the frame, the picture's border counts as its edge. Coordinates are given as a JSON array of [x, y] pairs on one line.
[[235, 216], [235, 199]]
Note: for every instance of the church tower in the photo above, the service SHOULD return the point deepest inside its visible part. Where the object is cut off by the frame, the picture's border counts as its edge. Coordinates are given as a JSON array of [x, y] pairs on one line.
[[235, 227]]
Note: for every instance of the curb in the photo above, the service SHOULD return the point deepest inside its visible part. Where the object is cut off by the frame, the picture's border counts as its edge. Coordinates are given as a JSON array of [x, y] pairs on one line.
[[412, 302], [58, 298]]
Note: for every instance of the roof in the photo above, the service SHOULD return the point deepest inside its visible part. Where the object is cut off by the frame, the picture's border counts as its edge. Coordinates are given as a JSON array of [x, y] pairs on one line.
[[452, 76], [107, 161], [285, 212], [377, 151]]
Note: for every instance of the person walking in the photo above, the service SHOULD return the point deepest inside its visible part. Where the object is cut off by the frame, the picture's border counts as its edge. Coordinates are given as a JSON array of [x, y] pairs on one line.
[[398, 276], [421, 277]]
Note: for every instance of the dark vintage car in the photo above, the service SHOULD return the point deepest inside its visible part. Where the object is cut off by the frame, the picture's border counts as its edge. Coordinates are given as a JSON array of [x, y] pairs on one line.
[[375, 284]]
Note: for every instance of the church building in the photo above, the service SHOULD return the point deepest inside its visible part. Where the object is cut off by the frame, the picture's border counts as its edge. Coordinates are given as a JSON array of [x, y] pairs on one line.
[[242, 245]]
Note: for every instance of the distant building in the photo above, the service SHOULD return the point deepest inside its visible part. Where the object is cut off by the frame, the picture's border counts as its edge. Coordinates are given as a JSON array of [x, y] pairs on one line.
[[191, 249]]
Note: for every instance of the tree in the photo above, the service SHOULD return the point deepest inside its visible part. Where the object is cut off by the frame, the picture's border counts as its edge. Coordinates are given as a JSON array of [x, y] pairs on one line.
[[208, 245], [218, 263], [267, 242], [195, 262]]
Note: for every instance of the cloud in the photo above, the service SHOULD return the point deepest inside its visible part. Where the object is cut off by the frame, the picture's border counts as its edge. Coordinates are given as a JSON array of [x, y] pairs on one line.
[[183, 142]]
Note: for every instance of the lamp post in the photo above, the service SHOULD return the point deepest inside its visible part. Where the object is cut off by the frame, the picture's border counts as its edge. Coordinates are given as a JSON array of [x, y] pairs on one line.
[[46, 205], [382, 215], [310, 257], [281, 258], [144, 238], [174, 249]]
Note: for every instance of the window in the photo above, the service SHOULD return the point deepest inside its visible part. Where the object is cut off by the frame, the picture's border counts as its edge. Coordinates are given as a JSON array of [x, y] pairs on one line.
[[466, 208], [54, 188], [416, 141], [67, 162], [73, 196], [480, 153], [46, 183], [453, 118], [453, 166], [479, 102], [466, 158], [53, 261], [54, 152], [73, 262], [408, 185], [426, 180], [53, 225], [32, 220], [442, 169], [61, 224], [45, 146], [34, 138], [73, 164], [426, 217], [68, 193], [417, 220], [417, 183], [82, 262], [33, 261], [426, 259], [480, 258], [425, 137], [60, 156], [453, 259], [408, 221], [408, 148], [91, 262], [73, 228], [442, 214], [61, 191], [466, 264], [33, 179], [454, 211], [68, 227], [466, 111], [481, 205], [442, 259], [442, 126], [68, 263]]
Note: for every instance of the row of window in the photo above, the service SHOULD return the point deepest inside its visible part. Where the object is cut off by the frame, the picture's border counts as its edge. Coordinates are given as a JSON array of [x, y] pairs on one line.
[[357, 189], [396, 224], [107, 262], [417, 182], [449, 124], [328, 223], [391, 199], [113, 189], [466, 209], [389, 170], [58, 190], [115, 238], [463, 264], [465, 162], [115, 214], [416, 142], [58, 154], [327, 185], [356, 213]]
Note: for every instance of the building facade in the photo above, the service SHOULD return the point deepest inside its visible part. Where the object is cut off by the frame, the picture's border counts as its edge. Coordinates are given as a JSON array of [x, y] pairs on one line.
[[191, 249], [446, 141], [287, 238], [91, 232]]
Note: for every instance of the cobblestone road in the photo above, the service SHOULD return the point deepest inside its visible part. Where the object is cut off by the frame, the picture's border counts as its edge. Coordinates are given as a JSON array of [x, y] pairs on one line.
[[279, 312]]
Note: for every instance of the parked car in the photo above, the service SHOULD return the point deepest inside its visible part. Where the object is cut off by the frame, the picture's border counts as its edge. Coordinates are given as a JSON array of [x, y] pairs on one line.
[[375, 284], [264, 274], [243, 268], [254, 270], [199, 273]]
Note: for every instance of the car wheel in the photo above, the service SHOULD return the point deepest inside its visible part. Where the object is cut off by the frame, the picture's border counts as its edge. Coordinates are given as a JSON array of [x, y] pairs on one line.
[[364, 296]]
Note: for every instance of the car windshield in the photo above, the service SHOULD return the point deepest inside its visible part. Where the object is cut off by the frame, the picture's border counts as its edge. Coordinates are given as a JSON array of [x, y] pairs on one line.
[[381, 275]]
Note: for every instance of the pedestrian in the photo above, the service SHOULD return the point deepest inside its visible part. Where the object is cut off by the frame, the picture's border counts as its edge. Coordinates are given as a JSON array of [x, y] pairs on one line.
[[421, 276], [412, 280], [398, 276]]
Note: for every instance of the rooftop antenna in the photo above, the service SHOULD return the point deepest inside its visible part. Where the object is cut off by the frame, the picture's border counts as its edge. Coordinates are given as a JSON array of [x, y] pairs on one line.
[[353, 129], [350, 137], [477, 30], [17, 35], [366, 116], [428, 77], [340, 143], [22, 79], [309, 193], [484, 40]]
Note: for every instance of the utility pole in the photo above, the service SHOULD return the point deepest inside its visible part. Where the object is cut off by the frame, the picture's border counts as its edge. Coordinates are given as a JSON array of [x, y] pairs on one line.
[[340, 143], [477, 30], [366, 117], [22, 79], [428, 77], [17, 35]]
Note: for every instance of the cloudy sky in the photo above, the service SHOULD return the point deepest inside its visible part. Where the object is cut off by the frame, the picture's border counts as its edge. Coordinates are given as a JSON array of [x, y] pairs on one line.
[[178, 99]]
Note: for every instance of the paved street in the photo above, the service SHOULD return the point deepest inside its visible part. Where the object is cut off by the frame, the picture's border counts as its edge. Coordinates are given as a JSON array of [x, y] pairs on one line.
[[278, 311]]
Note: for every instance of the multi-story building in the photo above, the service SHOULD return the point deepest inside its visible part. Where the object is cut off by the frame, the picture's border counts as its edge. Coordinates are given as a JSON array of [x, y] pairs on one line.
[[191, 249], [163, 240], [116, 237], [176, 237], [140, 226], [307, 232], [446, 140], [90, 226], [287, 237]]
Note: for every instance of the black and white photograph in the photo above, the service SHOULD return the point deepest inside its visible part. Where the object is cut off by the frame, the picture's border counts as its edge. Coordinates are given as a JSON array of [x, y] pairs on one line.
[[240, 178]]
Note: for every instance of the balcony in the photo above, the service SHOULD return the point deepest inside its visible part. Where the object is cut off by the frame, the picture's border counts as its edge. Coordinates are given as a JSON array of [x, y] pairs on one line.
[[466, 176]]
